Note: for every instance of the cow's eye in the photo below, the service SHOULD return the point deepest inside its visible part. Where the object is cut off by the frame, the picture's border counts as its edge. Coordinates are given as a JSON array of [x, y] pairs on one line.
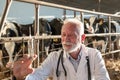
[[11, 33]]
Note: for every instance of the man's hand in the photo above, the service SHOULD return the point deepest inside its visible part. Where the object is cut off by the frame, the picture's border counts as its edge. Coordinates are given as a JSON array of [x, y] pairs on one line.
[[22, 67]]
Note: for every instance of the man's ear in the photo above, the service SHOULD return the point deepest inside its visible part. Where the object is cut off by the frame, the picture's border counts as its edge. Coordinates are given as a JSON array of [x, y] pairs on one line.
[[83, 38]]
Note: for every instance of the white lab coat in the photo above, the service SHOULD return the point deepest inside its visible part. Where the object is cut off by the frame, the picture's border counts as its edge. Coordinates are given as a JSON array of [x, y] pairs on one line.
[[48, 68]]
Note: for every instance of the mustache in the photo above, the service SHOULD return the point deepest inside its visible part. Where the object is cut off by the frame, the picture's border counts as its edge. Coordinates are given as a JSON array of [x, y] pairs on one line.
[[67, 43]]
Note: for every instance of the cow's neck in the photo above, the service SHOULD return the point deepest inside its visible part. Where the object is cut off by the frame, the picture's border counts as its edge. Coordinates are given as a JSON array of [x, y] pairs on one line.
[[10, 47]]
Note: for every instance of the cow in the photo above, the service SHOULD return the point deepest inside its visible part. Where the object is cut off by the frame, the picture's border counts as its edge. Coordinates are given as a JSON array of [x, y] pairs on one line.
[[10, 49], [56, 25], [44, 30], [46, 27], [97, 26], [117, 42], [27, 29], [114, 43], [88, 29]]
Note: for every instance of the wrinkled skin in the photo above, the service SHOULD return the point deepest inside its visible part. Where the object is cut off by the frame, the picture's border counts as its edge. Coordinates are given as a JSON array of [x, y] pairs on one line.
[[22, 67]]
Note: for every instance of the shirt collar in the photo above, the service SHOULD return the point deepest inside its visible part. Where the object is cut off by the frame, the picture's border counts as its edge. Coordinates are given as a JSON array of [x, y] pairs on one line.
[[79, 56]]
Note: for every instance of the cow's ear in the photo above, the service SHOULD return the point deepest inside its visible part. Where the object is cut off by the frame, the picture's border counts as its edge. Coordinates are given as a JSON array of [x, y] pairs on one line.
[[101, 21]]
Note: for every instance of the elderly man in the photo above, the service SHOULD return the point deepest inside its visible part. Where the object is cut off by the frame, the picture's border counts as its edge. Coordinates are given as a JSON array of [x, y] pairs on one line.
[[74, 62]]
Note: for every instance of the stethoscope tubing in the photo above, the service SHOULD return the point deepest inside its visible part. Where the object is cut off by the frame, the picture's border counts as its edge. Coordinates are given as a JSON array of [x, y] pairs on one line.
[[57, 70], [61, 59]]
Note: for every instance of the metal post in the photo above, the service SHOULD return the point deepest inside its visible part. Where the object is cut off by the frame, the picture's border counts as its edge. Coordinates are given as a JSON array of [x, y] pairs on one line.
[[99, 5], [64, 14], [36, 31], [5, 13], [109, 23], [82, 16], [36, 27], [74, 14]]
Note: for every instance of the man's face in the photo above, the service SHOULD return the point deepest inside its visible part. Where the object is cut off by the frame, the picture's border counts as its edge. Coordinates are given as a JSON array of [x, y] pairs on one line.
[[70, 38]]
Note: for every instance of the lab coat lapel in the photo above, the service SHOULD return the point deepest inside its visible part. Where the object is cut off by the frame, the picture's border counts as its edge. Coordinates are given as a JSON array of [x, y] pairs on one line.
[[82, 68], [83, 63], [68, 64]]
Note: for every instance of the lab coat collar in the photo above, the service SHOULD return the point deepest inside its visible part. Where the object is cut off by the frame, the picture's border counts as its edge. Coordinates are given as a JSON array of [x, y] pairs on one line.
[[83, 52], [82, 63]]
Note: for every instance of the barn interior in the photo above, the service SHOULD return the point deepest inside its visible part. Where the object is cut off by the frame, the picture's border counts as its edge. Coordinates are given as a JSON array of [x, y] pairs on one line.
[[110, 8], [95, 5]]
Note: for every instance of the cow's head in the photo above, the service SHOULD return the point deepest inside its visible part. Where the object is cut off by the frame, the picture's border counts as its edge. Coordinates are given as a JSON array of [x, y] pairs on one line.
[[44, 26], [56, 25], [88, 23], [93, 25], [9, 49]]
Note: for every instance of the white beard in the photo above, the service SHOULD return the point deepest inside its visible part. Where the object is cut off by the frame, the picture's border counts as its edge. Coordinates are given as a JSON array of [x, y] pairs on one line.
[[74, 47]]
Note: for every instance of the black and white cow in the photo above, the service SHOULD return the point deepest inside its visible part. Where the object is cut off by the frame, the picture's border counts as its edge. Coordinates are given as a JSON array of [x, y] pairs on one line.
[[88, 29], [56, 25], [97, 26], [44, 30], [27, 29], [10, 49], [117, 42]]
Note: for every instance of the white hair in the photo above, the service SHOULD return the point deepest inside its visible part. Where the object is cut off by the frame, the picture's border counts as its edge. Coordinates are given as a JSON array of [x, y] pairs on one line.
[[79, 24]]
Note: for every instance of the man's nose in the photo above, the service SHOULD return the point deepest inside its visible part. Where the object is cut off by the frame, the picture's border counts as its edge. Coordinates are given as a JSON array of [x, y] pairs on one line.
[[67, 38]]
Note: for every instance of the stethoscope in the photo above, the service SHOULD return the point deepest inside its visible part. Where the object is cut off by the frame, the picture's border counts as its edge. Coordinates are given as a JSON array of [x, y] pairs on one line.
[[58, 63], [60, 59]]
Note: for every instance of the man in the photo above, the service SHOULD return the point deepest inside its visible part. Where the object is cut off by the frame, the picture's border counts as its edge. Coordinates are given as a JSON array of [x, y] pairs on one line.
[[74, 62]]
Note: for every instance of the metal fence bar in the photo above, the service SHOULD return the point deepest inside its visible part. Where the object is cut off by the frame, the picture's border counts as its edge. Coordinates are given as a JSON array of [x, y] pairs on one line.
[[25, 38], [5, 13], [66, 7], [111, 52]]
